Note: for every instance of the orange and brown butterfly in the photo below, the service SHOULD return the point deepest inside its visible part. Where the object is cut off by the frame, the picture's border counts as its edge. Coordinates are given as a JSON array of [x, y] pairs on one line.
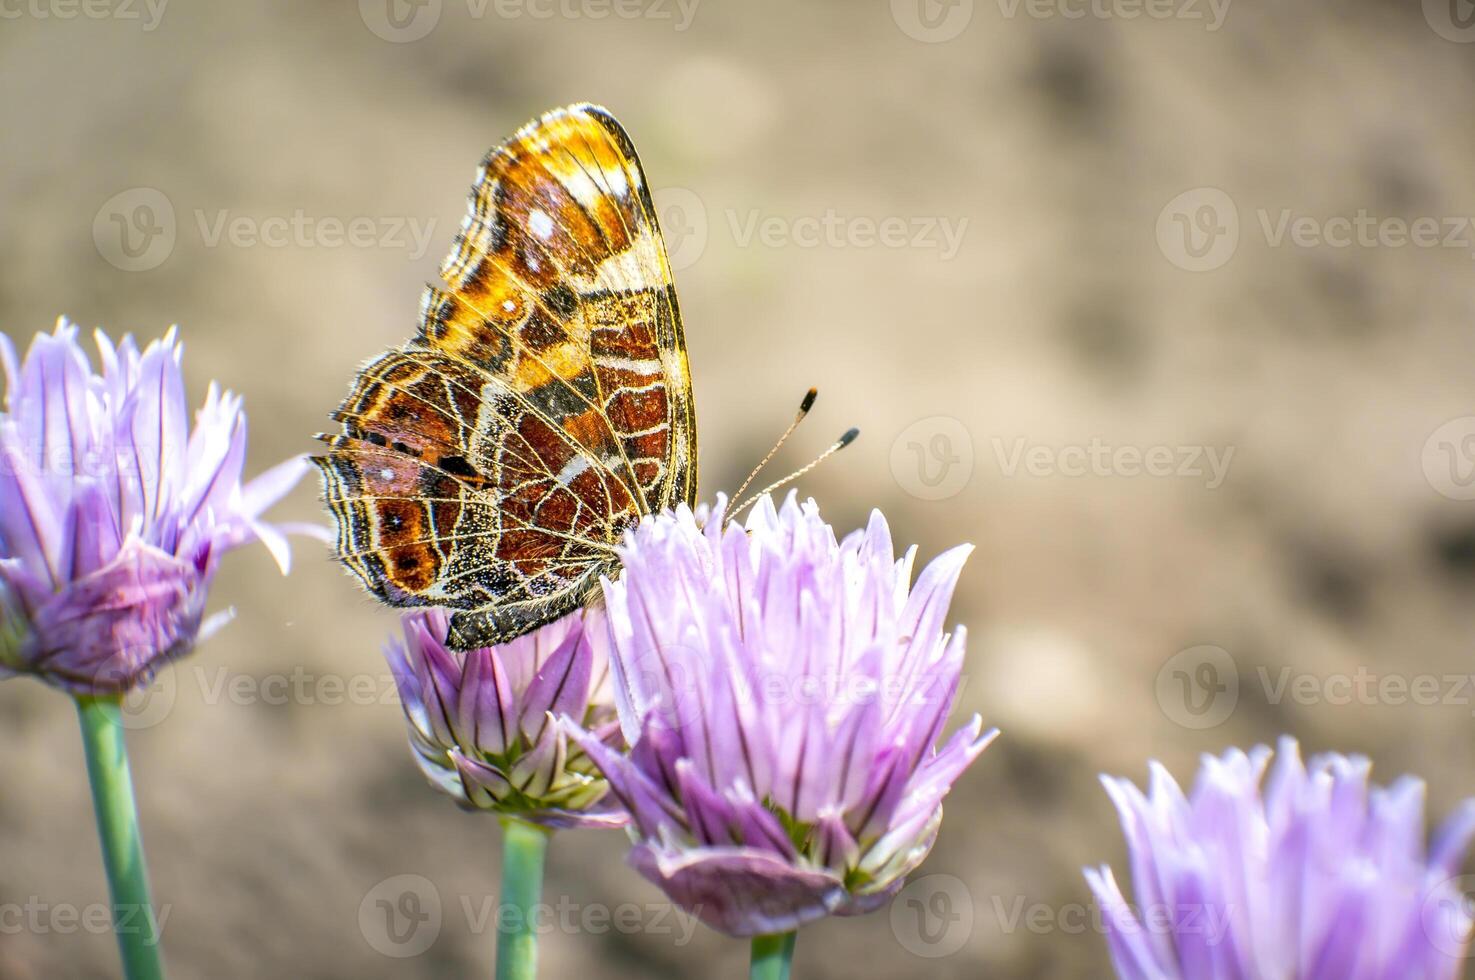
[[491, 464]]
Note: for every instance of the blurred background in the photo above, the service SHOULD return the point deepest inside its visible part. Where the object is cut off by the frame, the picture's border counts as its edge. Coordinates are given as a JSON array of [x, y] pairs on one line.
[[1165, 306]]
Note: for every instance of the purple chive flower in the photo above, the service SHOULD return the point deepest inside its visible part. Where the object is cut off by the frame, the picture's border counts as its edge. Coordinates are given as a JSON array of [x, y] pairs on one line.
[[1320, 876], [485, 724], [113, 513], [784, 694]]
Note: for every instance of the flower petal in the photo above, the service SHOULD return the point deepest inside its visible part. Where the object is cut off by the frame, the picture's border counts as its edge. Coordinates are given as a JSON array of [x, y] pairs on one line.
[[738, 891]]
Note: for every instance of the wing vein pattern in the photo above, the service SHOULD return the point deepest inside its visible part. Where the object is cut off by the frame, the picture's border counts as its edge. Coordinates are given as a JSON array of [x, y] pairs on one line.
[[490, 464]]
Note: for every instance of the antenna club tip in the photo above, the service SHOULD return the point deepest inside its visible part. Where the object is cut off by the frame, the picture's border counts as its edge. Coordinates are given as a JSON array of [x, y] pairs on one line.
[[808, 402], [848, 438]]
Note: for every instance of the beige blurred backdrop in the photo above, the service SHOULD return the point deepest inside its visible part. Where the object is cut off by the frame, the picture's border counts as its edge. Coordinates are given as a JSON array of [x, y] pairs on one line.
[[1165, 306]]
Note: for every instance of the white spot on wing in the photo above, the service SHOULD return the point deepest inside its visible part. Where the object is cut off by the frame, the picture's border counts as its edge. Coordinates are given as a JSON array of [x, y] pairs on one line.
[[572, 469], [540, 224], [635, 366], [635, 268], [582, 188]]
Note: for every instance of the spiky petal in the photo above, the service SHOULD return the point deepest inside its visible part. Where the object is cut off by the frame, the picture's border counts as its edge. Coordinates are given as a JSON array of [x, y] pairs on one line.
[[784, 694], [1319, 875], [484, 723], [114, 512]]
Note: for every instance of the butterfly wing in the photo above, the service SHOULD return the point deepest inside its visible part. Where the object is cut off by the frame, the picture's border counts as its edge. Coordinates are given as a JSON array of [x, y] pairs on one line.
[[492, 463]]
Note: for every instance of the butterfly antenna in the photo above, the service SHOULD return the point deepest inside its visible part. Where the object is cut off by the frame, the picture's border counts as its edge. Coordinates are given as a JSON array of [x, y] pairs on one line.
[[840, 444], [804, 407]]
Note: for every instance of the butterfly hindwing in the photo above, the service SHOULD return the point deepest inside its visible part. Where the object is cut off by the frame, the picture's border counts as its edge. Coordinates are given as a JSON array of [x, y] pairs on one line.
[[490, 465]]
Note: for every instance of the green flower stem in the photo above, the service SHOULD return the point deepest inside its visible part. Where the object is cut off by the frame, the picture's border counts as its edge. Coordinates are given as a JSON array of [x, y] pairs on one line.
[[117, 827], [524, 847], [772, 956]]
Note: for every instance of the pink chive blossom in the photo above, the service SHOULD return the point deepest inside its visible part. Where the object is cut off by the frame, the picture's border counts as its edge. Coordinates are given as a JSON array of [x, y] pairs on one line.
[[114, 511], [785, 695], [1315, 875], [484, 724]]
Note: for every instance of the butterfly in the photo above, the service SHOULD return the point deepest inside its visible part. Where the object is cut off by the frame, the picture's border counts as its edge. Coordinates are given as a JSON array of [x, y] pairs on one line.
[[491, 464]]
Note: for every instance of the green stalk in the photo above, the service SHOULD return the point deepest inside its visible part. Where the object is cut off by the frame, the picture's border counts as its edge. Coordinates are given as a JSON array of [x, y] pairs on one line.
[[772, 956], [117, 827], [524, 847]]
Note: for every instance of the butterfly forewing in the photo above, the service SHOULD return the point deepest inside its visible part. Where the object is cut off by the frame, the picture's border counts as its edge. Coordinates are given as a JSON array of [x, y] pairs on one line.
[[491, 464]]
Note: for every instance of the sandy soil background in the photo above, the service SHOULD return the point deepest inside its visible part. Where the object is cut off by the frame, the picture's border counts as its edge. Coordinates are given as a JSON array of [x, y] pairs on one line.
[[1106, 234]]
